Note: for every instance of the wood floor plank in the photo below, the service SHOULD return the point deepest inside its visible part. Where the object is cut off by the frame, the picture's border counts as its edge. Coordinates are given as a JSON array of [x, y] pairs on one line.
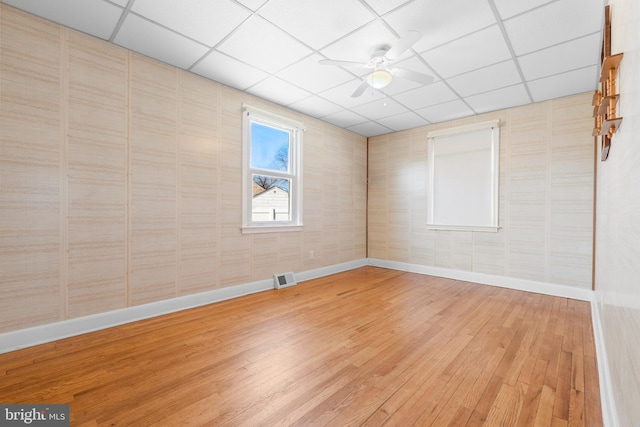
[[367, 347], [544, 414], [507, 405]]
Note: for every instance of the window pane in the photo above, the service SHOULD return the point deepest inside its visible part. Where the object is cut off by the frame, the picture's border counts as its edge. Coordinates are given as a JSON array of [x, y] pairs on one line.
[[463, 177], [269, 148], [271, 200]]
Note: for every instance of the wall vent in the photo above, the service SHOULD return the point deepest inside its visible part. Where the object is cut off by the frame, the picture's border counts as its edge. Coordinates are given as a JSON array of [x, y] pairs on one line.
[[283, 280]]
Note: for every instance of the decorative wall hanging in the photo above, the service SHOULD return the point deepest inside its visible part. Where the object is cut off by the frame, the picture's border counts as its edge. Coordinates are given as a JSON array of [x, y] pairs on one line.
[[606, 98]]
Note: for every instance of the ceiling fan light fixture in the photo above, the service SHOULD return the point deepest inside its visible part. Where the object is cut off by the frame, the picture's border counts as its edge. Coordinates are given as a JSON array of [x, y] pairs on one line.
[[379, 78]]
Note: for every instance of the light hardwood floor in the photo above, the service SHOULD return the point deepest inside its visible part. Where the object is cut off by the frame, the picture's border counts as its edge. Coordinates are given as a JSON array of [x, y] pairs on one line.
[[365, 347]]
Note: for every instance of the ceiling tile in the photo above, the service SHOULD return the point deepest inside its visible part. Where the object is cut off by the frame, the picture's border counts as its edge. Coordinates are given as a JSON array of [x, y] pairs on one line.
[[551, 25], [399, 85], [157, 42], [95, 17], [315, 106], [341, 95], [203, 20], [426, 96], [447, 111], [271, 49], [361, 45], [231, 72], [509, 8], [314, 22], [383, 6], [252, 4], [499, 99], [441, 21], [278, 91], [314, 77], [369, 129], [568, 56], [263, 45], [488, 78], [471, 52], [403, 121], [344, 118], [578, 81], [381, 108]]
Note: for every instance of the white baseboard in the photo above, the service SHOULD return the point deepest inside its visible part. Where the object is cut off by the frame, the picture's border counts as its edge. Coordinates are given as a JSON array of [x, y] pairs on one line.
[[15, 340], [488, 279], [332, 269], [607, 402], [28, 337]]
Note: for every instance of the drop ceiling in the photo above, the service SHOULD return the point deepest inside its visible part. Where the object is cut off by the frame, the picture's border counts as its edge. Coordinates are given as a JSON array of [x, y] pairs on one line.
[[484, 55]]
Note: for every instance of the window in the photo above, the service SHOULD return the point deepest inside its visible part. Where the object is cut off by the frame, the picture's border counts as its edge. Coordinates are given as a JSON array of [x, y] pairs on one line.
[[272, 179], [463, 178]]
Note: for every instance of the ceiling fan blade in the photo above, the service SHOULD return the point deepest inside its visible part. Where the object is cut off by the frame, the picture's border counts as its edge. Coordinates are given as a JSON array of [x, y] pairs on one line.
[[363, 86], [403, 44], [413, 75], [341, 63]]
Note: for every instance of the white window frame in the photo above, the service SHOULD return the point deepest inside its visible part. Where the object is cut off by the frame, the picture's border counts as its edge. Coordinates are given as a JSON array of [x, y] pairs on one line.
[[493, 169], [252, 114]]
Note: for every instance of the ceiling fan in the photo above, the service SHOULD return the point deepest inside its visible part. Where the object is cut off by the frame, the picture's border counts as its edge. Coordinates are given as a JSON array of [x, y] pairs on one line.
[[380, 63]]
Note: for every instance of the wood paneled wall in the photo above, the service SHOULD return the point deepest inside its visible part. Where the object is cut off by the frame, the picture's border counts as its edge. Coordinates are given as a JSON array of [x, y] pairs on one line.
[[31, 159], [546, 198], [120, 181]]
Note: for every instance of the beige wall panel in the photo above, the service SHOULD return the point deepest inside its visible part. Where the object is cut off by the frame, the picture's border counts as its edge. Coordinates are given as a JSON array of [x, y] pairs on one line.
[[198, 143], [235, 260], [463, 251], [313, 158], [534, 217], [312, 242], [331, 239], [235, 248], [398, 239], [377, 242], [489, 255], [377, 199], [313, 197], [571, 196], [351, 196], [289, 252], [30, 178], [230, 108], [331, 208], [265, 255], [526, 168], [423, 246], [399, 182], [419, 150], [230, 166], [97, 176], [444, 249], [354, 200], [312, 211], [135, 168], [153, 176], [199, 109], [617, 269]]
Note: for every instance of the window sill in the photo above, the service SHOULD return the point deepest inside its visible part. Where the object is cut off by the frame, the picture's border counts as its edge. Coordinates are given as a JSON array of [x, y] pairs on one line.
[[487, 229], [270, 229]]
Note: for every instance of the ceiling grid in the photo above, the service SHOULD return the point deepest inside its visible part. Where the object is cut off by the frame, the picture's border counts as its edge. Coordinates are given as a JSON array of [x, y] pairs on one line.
[[482, 55]]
